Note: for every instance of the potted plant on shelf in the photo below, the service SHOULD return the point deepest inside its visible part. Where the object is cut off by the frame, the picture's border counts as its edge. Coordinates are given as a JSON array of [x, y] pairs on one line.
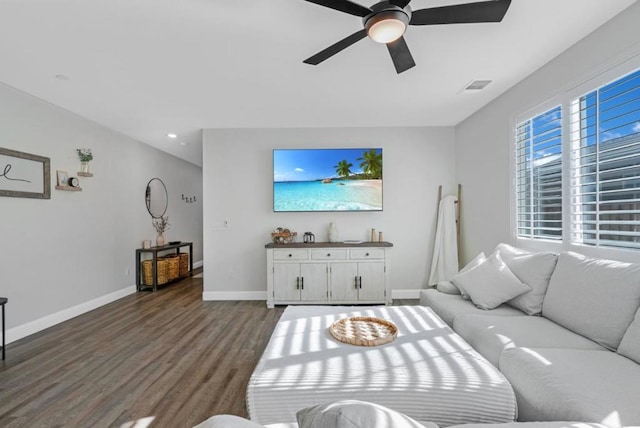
[[85, 157], [161, 224]]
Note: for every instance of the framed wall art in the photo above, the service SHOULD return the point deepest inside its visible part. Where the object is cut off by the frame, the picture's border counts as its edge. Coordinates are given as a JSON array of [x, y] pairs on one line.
[[23, 175]]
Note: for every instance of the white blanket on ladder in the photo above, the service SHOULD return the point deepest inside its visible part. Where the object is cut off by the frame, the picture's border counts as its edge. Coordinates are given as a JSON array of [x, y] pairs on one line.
[[444, 264]]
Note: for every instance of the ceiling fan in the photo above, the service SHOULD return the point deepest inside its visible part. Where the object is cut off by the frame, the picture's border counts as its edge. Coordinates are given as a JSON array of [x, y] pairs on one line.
[[386, 22]]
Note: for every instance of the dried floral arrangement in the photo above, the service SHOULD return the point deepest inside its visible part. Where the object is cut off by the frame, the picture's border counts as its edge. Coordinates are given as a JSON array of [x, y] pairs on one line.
[[161, 224]]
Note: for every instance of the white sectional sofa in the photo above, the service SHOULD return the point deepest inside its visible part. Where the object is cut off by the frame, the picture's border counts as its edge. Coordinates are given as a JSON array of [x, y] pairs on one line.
[[569, 344], [564, 329]]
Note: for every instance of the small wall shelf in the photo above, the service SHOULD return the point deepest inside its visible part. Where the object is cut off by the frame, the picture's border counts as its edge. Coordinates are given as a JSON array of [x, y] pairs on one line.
[[69, 188], [84, 174]]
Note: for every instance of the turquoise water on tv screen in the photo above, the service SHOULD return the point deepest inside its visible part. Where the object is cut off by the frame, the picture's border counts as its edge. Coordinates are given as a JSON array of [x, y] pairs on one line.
[[339, 195]]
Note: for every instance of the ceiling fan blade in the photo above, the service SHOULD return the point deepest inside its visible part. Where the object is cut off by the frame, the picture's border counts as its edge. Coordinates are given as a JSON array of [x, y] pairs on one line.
[[336, 47], [484, 11], [345, 6], [400, 55], [400, 3]]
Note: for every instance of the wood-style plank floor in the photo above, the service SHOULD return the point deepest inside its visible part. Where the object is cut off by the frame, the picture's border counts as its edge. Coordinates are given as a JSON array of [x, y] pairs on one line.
[[163, 359], [165, 355]]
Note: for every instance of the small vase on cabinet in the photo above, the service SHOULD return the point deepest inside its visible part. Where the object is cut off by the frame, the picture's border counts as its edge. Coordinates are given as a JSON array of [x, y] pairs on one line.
[[160, 240], [333, 233]]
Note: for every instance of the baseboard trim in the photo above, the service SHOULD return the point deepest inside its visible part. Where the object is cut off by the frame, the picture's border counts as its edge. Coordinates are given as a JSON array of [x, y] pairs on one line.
[[405, 294], [32, 327], [234, 295], [197, 264]]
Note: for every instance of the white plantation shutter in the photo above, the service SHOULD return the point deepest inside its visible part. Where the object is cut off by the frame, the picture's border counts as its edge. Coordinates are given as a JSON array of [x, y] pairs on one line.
[[539, 176], [605, 165]]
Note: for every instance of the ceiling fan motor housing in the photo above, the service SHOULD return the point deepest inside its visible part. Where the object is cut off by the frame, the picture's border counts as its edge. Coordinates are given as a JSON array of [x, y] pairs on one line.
[[386, 11]]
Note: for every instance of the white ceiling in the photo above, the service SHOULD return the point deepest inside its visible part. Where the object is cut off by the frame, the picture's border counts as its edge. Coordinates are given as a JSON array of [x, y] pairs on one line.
[[149, 67]]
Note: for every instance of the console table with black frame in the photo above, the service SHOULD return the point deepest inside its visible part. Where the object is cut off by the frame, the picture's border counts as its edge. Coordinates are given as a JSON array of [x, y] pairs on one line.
[[154, 253]]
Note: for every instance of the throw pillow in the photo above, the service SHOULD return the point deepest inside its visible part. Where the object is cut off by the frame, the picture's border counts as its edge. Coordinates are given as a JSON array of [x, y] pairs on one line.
[[227, 421], [477, 260], [491, 283], [354, 414], [447, 287], [595, 298], [533, 269]]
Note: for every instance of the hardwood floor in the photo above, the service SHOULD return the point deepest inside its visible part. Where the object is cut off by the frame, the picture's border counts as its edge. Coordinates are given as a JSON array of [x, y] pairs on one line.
[[165, 355], [163, 359]]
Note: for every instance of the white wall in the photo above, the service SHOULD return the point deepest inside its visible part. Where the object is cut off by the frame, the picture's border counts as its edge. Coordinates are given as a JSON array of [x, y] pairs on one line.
[[238, 184], [483, 140], [63, 256]]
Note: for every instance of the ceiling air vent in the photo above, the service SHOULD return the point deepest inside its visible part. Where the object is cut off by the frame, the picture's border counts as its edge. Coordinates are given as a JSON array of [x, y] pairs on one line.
[[477, 85]]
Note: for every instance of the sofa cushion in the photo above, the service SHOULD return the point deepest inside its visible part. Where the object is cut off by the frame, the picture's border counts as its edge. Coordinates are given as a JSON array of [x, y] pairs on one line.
[[355, 414], [491, 283], [593, 297], [477, 260], [630, 344], [448, 306], [573, 384], [490, 335], [533, 269]]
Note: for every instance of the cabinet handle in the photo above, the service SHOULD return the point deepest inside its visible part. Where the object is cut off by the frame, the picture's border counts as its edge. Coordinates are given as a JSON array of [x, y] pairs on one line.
[[328, 254], [356, 281], [302, 282], [360, 282], [367, 255], [290, 255], [297, 283]]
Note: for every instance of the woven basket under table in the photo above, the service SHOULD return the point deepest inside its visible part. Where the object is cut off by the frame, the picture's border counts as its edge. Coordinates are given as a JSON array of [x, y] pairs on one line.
[[173, 266], [184, 264], [147, 272]]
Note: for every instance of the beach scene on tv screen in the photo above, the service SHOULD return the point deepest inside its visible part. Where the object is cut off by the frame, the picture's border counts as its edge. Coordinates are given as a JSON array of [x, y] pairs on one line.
[[327, 180]]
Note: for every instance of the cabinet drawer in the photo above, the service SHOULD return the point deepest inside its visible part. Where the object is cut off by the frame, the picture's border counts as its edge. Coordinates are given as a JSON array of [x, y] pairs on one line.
[[290, 254], [367, 253], [329, 254]]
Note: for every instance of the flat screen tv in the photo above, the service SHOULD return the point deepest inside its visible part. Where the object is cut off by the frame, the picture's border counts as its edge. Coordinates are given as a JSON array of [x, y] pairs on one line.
[[327, 180]]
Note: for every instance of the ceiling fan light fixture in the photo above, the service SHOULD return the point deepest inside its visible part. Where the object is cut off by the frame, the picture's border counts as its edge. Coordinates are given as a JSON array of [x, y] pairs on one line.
[[387, 26]]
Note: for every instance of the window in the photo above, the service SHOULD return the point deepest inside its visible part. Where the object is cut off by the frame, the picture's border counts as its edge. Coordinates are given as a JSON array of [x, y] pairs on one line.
[[539, 176], [601, 176], [605, 165]]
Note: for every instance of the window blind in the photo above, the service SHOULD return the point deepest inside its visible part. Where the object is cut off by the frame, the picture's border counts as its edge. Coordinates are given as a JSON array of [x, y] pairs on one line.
[[605, 165], [539, 176]]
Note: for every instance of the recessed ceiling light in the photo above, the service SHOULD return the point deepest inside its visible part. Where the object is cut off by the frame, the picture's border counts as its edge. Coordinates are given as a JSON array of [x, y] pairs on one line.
[[184, 143], [62, 77], [172, 136]]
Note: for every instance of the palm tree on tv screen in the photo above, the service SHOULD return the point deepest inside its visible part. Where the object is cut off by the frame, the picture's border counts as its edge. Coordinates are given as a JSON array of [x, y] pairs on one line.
[[371, 164], [343, 168]]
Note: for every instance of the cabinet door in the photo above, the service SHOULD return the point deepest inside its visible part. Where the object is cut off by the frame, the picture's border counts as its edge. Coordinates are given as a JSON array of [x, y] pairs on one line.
[[314, 281], [286, 281], [372, 281], [343, 282]]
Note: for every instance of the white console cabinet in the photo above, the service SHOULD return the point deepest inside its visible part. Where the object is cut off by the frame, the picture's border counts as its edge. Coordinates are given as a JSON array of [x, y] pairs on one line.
[[328, 273]]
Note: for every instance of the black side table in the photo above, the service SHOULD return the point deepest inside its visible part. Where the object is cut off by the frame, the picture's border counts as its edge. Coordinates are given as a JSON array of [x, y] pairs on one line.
[[3, 301]]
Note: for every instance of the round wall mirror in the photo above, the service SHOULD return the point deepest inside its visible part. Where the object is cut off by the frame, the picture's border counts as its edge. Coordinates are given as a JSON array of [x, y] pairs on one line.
[[156, 197]]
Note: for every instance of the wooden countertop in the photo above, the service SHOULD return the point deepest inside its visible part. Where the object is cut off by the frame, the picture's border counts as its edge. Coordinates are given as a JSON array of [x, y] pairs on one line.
[[331, 245]]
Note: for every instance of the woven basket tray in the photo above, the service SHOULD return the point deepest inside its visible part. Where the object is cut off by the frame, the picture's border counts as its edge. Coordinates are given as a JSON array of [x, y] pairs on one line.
[[364, 331]]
